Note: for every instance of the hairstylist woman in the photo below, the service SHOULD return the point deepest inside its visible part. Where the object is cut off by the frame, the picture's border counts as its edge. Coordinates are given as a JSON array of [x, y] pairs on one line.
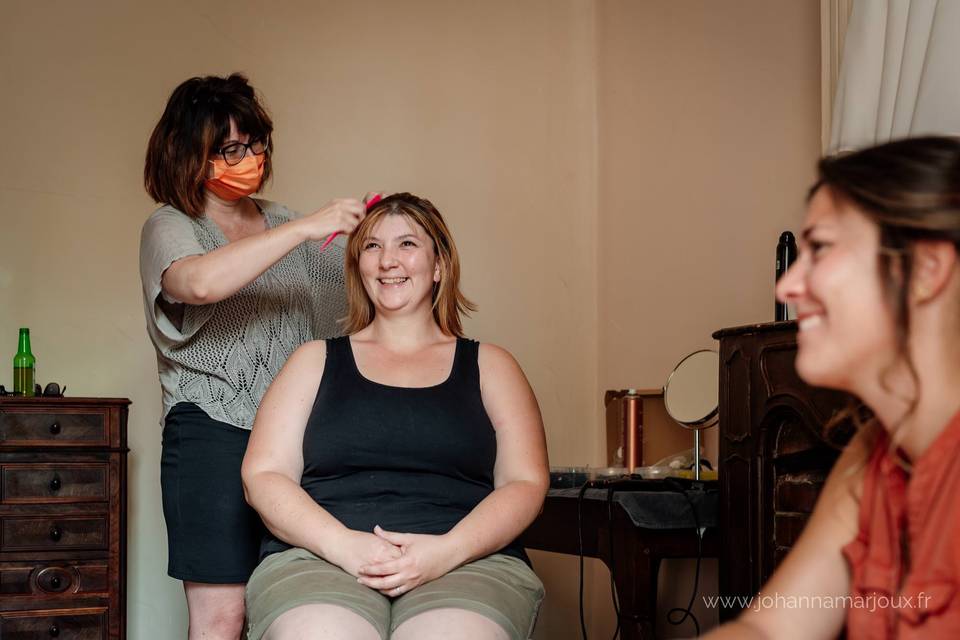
[[232, 285]]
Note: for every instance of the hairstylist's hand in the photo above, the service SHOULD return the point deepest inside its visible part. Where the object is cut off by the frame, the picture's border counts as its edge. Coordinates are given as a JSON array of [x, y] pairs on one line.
[[425, 558], [359, 549], [341, 215]]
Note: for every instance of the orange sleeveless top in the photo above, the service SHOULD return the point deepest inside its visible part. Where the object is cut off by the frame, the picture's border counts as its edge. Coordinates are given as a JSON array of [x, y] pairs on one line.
[[905, 560]]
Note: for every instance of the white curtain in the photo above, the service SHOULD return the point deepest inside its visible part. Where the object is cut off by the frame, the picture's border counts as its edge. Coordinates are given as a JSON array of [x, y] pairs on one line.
[[899, 74]]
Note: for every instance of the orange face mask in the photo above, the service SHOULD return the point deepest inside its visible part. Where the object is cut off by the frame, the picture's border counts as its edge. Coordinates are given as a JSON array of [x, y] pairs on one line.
[[237, 181]]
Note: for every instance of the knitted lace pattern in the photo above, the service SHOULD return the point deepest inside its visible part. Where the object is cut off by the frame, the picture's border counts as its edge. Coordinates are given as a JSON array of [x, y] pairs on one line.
[[243, 341]]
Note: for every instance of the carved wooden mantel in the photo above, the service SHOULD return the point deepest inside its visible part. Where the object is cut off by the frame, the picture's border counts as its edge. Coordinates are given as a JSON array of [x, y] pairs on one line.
[[774, 454]]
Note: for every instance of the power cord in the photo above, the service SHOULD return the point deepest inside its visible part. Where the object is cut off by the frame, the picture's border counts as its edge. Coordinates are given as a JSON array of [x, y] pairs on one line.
[[688, 611], [613, 582], [583, 490], [596, 484], [611, 487]]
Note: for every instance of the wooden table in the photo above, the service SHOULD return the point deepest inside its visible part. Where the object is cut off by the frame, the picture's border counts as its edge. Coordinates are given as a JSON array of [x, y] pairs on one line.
[[634, 559]]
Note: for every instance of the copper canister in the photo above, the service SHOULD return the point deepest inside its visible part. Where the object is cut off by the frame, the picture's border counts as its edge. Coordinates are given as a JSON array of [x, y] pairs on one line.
[[632, 414]]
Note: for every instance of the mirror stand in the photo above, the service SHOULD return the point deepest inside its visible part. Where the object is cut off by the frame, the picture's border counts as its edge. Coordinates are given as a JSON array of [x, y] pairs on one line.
[[691, 396]]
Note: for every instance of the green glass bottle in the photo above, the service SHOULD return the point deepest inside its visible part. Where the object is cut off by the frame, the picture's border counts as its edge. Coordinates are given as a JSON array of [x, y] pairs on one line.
[[24, 366]]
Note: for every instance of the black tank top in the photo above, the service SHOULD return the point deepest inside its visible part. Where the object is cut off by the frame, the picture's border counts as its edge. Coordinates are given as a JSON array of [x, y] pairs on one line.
[[413, 460]]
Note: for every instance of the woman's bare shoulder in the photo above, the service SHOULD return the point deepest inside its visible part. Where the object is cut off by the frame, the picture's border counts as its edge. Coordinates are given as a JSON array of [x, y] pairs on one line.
[[495, 356], [309, 359]]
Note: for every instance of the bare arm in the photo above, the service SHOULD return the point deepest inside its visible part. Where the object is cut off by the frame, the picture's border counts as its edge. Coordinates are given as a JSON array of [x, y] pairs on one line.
[[521, 474], [273, 466], [815, 567], [214, 276], [273, 463]]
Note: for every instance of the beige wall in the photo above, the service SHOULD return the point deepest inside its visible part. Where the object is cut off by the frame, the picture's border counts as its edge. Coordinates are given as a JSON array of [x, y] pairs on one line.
[[699, 117], [709, 116], [486, 108], [709, 125]]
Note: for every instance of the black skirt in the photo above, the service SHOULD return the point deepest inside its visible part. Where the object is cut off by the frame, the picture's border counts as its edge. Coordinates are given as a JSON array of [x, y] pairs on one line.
[[213, 535]]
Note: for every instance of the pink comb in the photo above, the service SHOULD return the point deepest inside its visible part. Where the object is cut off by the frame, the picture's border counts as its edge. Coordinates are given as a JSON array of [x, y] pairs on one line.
[[372, 201]]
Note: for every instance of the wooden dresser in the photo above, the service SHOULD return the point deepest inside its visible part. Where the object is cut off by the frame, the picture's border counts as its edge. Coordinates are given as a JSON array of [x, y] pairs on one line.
[[774, 453], [63, 495]]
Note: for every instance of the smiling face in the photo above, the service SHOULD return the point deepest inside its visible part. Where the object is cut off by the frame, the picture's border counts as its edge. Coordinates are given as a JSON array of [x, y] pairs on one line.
[[847, 335], [398, 265]]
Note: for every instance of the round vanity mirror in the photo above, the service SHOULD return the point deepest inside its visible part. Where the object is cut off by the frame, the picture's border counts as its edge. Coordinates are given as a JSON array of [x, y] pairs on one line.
[[691, 394]]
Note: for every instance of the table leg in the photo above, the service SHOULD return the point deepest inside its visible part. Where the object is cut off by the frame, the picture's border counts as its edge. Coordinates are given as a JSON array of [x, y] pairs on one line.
[[634, 559], [634, 567]]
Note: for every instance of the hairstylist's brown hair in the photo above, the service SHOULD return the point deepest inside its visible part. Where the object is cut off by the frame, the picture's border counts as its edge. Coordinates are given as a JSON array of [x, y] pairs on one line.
[[910, 189], [449, 303], [190, 131]]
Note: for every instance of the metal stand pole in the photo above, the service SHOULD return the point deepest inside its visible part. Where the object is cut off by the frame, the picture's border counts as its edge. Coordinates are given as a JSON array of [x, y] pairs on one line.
[[696, 454]]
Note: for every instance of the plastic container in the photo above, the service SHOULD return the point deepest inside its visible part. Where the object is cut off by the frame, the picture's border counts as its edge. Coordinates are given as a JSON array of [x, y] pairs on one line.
[[655, 473], [568, 477], [573, 477]]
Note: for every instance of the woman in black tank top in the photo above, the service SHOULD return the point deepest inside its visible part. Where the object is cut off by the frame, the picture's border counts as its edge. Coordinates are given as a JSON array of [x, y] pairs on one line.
[[404, 457]]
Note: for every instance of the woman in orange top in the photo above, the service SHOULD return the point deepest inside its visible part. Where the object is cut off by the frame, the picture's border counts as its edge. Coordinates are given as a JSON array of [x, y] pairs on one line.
[[877, 293]]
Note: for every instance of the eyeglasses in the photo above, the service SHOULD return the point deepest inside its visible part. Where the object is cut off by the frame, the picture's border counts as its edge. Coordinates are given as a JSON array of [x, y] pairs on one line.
[[234, 152]]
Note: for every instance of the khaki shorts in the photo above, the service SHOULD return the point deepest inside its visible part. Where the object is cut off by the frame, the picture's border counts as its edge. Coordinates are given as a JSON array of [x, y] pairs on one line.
[[499, 587]]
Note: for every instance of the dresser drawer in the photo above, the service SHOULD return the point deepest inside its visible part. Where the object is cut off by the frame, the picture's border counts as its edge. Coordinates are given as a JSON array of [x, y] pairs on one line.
[[65, 624], [49, 533], [54, 579], [20, 427], [54, 482]]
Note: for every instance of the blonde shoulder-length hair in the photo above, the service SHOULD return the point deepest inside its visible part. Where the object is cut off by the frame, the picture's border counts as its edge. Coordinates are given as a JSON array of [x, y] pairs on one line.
[[449, 303]]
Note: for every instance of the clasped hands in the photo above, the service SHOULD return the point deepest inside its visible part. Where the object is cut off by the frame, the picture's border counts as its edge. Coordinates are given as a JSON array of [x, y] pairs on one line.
[[395, 563]]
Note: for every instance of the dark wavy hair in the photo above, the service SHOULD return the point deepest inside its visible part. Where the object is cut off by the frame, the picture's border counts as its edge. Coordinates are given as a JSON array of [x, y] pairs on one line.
[[193, 125]]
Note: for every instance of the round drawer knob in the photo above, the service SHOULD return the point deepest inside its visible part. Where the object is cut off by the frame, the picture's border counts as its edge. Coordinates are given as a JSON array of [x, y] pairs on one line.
[[55, 579], [56, 533], [54, 430], [54, 630], [56, 483]]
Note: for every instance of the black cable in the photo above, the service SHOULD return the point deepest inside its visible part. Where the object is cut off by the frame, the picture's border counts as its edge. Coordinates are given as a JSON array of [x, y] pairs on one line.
[[613, 582], [583, 490], [611, 487], [688, 611]]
